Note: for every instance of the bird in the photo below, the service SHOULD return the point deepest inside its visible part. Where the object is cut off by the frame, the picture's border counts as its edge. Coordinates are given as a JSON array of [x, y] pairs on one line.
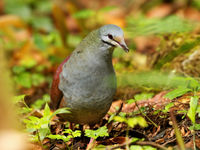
[[85, 82]]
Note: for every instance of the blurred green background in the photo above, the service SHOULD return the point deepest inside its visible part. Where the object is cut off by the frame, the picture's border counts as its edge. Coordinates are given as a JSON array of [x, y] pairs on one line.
[[37, 35]]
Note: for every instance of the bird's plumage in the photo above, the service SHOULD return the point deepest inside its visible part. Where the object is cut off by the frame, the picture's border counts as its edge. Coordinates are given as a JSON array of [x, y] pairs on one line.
[[87, 79]]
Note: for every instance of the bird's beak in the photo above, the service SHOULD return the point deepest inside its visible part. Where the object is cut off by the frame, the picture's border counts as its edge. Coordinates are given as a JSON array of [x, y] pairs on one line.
[[122, 44]]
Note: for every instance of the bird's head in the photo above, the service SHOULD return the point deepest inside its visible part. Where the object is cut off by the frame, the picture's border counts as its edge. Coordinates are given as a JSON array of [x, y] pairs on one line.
[[114, 36]]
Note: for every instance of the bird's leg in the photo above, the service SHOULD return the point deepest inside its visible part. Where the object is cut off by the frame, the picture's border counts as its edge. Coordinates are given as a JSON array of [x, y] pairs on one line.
[[90, 144], [71, 126], [92, 140], [81, 128]]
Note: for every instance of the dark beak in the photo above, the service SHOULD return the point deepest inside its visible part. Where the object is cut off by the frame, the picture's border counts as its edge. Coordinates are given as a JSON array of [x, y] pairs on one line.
[[121, 43], [124, 46]]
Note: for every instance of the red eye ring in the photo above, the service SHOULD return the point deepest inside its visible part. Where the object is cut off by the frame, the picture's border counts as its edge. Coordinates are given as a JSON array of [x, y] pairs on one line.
[[110, 36]]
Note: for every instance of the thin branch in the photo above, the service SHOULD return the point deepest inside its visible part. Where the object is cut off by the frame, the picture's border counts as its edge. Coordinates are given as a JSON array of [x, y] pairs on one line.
[[142, 143], [146, 116]]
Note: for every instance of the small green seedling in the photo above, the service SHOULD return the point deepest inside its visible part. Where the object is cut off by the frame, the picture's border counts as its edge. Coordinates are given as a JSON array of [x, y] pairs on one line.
[[101, 132]]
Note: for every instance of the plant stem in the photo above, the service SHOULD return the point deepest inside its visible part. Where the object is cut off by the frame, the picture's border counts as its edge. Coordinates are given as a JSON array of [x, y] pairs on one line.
[[39, 140]]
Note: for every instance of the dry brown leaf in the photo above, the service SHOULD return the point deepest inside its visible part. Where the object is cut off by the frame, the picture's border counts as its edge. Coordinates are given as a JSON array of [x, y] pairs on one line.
[[160, 11], [11, 20]]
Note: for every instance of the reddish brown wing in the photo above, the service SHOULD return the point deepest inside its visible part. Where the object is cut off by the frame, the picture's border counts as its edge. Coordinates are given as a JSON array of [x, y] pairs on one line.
[[55, 93]]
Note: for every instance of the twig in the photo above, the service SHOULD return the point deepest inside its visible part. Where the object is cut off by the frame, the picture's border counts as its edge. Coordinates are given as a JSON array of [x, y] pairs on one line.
[[146, 116], [172, 140], [177, 132], [129, 142], [152, 144], [120, 109]]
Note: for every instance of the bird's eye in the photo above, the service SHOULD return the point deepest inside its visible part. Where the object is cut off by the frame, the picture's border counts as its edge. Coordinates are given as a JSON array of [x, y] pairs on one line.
[[110, 36]]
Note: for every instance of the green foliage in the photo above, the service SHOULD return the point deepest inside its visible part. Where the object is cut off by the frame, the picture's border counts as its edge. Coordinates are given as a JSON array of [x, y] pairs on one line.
[[34, 12], [193, 107], [167, 107], [73, 40], [101, 132], [24, 78], [99, 147], [142, 96], [132, 122], [71, 134], [185, 47], [58, 137], [196, 3], [177, 92], [191, 85], [158, 81], [138, 147], [83, 14], [19, 98], [88, 13], [146, 26], [41, 125], [43, 42], [150, 80], [37, 105]]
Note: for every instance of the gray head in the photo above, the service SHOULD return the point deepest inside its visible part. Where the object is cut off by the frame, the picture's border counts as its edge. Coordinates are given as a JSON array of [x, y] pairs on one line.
[[113, 35]]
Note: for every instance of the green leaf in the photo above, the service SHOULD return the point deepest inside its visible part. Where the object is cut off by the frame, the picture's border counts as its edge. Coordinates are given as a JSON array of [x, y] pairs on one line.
[[193, 84], [107, 8], [177, 92], [130, 101], [39, 41], [76, 133], [136, 147], [47, 112], [196, 127], [42, 23], [23, 79], [18, 69], [99, 147], [59, 137], [143, 96], [198, 109], [193, 107], [149, 148], [61, 111], [167, 107], [149, 26], [24, 110], [119, 119], [101, 132], [73, 40], [43, 132], [19, 98], [44, 6], [22, 10], [37, 79], [84, 14], [132, 122], [40, 102], [196, 3], [186, 47]]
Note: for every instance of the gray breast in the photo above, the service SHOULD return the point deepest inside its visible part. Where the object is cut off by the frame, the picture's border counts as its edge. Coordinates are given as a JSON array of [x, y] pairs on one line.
[[88, 90]]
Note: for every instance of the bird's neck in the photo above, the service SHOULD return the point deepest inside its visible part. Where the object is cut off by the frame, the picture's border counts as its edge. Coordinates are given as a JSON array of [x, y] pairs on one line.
[[99, 49]]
